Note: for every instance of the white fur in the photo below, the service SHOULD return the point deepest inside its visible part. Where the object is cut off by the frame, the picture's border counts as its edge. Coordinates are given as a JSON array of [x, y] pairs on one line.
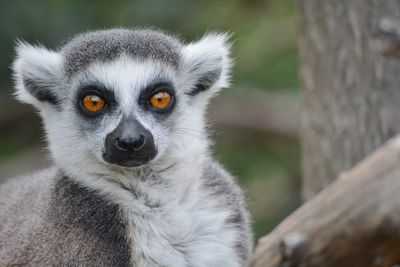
[[35, 62], [211, 52], [188, 215]]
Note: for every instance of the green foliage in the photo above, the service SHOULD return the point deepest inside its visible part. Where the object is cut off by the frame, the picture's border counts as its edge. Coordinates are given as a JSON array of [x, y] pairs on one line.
[[263, 30], [268, 168]]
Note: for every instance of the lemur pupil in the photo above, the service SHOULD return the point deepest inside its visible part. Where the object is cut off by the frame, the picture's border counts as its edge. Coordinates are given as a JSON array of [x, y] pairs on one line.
[[93, 103], [161, 100]]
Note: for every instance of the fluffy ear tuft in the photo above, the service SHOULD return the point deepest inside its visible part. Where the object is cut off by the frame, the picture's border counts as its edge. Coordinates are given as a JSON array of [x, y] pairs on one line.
[[208, 64], [37, 74]]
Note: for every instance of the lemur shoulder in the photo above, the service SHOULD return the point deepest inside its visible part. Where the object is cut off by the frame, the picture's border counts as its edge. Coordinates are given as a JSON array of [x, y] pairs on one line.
[[134, 182]]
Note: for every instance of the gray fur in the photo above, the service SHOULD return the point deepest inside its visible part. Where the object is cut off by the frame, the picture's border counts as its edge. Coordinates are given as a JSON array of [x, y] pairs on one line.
[[205, 82], [49, 220], [40, 92], [107, 45], [180, 208], [219, 183]]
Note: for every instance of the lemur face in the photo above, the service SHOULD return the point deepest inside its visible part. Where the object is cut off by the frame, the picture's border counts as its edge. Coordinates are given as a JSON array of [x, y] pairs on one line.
[[126, 109], [122, 98]]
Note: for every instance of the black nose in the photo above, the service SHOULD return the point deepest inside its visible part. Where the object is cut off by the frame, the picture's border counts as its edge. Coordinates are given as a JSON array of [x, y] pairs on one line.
[[130, 143]]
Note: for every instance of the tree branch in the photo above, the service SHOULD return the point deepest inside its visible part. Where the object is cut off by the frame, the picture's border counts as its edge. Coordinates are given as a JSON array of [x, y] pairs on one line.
[[353, 222], [263, 111]]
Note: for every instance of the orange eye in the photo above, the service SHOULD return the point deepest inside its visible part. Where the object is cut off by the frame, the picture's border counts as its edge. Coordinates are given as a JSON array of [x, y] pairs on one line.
[[161, 100], [93, 103]]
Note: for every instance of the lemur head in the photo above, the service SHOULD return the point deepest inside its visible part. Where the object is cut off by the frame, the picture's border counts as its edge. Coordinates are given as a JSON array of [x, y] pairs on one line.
[[123, 98]]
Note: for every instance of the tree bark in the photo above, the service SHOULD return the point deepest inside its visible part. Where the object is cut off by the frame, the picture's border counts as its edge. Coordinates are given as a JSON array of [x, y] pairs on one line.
[[354, 222], [351, 86]]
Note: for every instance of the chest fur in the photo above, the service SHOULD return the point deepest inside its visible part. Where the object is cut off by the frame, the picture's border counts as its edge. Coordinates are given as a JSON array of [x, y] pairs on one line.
[[183, 234], [190, 231]]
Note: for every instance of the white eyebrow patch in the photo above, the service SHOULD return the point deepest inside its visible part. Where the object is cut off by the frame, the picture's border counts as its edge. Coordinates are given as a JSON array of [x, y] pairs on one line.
[[127, 78]]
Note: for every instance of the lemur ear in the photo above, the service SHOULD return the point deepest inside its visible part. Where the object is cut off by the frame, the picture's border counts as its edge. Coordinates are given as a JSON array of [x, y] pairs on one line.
[[208, 64], [37, 74]]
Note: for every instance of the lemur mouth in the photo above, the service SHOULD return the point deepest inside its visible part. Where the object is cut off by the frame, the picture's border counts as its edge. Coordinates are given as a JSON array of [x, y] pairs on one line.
[[128, 161]]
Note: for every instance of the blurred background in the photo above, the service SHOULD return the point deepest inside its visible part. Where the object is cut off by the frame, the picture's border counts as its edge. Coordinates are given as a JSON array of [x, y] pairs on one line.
[[255, 122]]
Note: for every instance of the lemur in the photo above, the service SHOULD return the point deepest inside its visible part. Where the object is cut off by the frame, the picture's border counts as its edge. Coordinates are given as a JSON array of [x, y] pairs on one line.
[[134, 182]]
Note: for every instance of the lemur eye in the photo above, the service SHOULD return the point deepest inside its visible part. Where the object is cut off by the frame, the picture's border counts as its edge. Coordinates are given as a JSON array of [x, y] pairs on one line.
[[161, 100], [93, 103]]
